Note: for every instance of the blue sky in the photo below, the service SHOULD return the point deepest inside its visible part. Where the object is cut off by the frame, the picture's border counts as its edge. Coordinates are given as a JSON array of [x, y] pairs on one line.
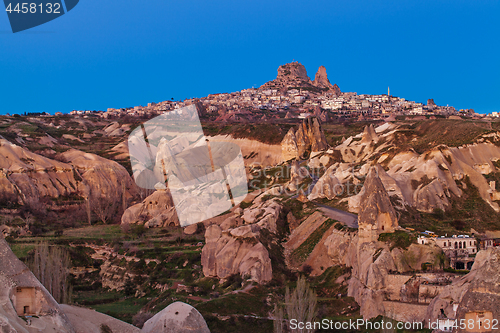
[[126, 53]]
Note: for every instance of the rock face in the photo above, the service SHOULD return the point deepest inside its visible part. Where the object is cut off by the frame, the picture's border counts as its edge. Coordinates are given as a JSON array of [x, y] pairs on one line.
[[474, 296], [21, 292], [289, 149], [237, 251], [332, 183], [294, 70], [101, 177], [423, 181], [369, 134], [321, 81], [430, 102], [26, 177], [254, 151], [232, 249], [178, 317], [157, 210], [334, 248], [307, 138], [376, 214], [292, 74], [89, 321], [371, 264]]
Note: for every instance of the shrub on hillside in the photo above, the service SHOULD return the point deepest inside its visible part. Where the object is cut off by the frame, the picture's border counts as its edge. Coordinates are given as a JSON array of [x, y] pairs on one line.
[[139, 319]]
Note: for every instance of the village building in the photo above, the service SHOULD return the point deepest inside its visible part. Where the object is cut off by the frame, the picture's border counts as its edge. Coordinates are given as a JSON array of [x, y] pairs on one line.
[[460, 250]]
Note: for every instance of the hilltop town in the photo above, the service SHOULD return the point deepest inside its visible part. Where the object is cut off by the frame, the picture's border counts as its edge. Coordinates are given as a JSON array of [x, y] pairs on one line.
[[292, 95]]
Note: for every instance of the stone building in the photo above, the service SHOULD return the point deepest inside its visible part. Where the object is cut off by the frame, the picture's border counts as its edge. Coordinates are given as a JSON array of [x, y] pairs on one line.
[[25, 302], [486, 243], [459, 249]]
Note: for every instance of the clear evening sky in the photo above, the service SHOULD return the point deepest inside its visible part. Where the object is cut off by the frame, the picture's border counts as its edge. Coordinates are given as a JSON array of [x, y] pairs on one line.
[[126, 53]]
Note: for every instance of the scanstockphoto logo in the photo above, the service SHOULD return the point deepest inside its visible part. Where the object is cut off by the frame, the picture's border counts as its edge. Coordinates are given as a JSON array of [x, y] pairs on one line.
[[25, 15], [205, 178]]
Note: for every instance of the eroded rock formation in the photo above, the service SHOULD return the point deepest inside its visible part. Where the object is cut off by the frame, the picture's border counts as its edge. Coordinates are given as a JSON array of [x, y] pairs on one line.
[[321, 81], [26, 177], [474, 296], [308, 137], [293, 74], [236, 251], [157, 210], [232, 248], [178, 317], [424, 181], [376, 214]]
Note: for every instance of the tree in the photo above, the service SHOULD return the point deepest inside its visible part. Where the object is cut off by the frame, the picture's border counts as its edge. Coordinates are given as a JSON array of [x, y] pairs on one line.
[[88, 210], [51, 265], [124, 196], [279, 319], [301, 304], [441, 260], [104, 207], [129, 287], [107, 201]]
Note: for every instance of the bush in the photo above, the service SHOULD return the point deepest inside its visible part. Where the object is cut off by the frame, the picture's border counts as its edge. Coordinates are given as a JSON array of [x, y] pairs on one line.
[[125, 228], [244, 204], [139, 319], [200, 228], [138, 230], [129, 287], [234, 281], [105, 329], [398, 238], [307, 269]]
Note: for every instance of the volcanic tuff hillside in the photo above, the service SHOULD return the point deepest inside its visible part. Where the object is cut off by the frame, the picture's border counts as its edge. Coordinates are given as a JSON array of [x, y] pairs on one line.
[[439, 175], [440, 178], [421, 170]]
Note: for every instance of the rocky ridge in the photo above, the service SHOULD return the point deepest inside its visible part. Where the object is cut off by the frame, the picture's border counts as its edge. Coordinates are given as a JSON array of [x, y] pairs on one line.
[[294, 75], [27, 178], [299, 143], [423, 181], [321, 81], [232, 249], [476, 292]]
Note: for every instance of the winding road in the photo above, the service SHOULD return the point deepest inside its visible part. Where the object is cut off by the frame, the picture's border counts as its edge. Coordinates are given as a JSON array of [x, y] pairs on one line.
[[349, 219]]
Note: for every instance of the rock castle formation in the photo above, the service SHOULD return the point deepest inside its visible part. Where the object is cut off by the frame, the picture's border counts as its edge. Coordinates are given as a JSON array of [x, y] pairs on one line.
[[321, 81], [294, 75]]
